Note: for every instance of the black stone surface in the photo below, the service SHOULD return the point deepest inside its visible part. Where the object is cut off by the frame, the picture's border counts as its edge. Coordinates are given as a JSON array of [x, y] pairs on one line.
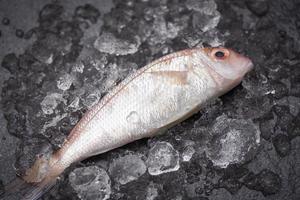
[[60, 57]]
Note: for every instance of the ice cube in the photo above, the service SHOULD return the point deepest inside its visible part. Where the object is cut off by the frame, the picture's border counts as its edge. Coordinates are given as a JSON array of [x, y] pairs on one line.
[[203, 6], [152, 192], [50, 102], [127, 168], [205, 22], [65, 82], [108, 43], [188, 153], [162, 158], [233, 141], [90, 183]]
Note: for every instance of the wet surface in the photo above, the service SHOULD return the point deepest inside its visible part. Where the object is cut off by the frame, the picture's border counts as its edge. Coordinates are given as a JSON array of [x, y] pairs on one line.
[[59, 58]]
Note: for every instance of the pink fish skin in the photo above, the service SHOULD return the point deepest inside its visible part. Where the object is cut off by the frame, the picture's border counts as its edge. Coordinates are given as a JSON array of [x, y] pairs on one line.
[[155, 97]]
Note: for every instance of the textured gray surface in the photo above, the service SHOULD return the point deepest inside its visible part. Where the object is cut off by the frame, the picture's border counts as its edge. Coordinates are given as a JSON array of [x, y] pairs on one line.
[[70, 62], [7, 142]]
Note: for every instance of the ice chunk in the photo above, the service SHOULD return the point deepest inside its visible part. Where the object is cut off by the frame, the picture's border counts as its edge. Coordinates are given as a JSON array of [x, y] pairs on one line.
[[78, 67], [196, 38], [233, 141], [162, 30], [50, 102], [87, 12], [90, 183], [205, 16], [42, 53], [178, 197], [157, 29], [152, 192], [188, 153], [46, 49], [162, 158], [108, 43], [204, 6], [127, 168], [205, 22], [100, 62], [74, 103], [90, 56], [115, 72], [65, 82], [91, 99], [53, 122], [191, 38]]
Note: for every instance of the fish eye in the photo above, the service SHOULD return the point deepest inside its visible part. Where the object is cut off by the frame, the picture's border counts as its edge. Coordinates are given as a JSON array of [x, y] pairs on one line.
[[220, 53]]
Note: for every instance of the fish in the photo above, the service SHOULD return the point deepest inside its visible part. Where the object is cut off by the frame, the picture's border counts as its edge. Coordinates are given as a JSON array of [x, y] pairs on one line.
[[154, 98]]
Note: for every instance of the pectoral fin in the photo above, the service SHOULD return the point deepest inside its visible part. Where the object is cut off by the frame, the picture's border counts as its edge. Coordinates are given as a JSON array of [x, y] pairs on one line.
[[174, 77]]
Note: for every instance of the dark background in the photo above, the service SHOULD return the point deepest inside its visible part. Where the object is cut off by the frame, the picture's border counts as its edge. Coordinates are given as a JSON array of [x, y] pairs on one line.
[[60, 57]]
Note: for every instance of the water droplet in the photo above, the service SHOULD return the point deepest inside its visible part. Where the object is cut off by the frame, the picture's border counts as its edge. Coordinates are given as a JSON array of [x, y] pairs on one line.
[[133, 117]]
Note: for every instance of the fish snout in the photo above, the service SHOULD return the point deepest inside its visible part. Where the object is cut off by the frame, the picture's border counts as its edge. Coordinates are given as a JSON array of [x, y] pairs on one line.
[[246, 63]]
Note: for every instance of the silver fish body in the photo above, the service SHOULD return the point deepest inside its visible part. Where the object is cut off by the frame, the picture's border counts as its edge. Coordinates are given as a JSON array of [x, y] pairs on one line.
[[155, 97]]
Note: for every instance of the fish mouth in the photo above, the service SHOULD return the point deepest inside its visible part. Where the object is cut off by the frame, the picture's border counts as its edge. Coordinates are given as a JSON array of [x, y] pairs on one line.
[[248, 66]]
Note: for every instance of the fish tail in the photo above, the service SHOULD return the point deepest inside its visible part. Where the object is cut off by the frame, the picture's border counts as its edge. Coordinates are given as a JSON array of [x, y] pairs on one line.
[[19, 189], [38, 190], [38, 180], [14, 185]]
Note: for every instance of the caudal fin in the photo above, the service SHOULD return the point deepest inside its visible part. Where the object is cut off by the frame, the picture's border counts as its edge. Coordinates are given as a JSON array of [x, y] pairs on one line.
[[20, 190], [36, 181], [38, 190]]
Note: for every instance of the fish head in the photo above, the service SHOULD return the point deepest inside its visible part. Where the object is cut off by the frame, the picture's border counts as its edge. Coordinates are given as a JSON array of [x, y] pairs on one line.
[[225, 65]]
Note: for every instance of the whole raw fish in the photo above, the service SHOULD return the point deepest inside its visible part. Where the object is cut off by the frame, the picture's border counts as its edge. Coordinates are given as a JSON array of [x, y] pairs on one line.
[[155, 97]]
